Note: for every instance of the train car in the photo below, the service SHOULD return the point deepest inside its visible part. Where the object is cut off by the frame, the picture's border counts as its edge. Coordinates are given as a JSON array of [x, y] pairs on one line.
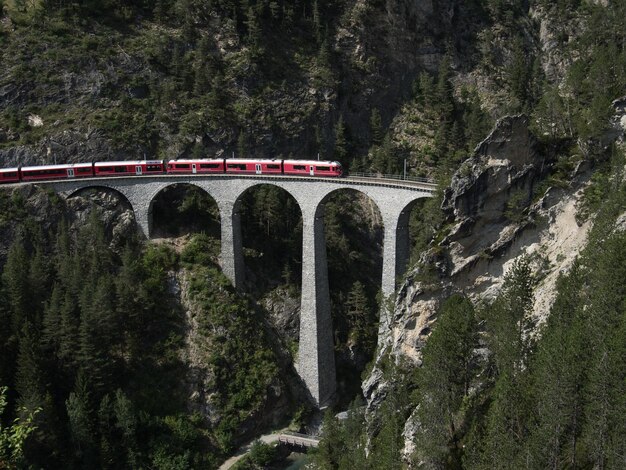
[[53, 172], [312, 168], [255, 167], [9, 175], [130, 168], [198, 166]]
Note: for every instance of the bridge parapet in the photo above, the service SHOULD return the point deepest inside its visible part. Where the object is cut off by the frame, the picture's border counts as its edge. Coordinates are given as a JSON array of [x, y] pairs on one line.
[[301, 441]]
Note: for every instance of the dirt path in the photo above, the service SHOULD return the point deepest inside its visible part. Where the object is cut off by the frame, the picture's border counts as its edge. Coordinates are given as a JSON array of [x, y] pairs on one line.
[[243, 450]]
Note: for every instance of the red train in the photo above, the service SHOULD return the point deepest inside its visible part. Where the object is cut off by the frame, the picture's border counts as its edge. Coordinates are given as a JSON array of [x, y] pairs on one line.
[[173, 167]]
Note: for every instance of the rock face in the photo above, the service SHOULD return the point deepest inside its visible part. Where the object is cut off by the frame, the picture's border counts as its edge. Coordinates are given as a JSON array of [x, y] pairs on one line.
[[284, 309], [378, 49], [48, 212], [491, 220], [489, 191]]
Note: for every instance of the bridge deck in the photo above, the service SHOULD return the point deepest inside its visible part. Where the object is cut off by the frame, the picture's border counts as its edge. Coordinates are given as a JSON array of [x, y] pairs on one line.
[[298, 440], [348, 181]]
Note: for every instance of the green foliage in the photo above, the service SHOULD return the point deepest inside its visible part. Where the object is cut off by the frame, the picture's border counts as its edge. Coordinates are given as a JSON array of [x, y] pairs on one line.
[[517, 202], [341, 143], [376, 127], [342, 444], [90, 346], [243, 364], [258, 458], [13, 437], [444, 380]]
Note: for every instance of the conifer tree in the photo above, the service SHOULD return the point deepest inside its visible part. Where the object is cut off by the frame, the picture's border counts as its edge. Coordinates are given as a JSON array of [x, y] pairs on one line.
[[444, 379], [376, 127], [330, 448], [557, 377], [79, 412], [30, 383], [510, 344], [38, 280], [15, 282], [358, 312], [509, 319], [202, 80], [341, 143]]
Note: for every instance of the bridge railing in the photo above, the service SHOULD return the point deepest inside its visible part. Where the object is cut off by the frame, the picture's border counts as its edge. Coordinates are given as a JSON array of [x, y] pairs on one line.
[[417, 179], [298, 440]]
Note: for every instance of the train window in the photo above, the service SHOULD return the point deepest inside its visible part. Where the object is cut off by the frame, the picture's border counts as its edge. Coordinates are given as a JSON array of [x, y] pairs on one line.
[[83, 170], [154, 168], [323, 168], [299, 167], [9, 175], [209, 165], [273, 167], [105, 168], [120, 169], [237, 166], [182, 165]]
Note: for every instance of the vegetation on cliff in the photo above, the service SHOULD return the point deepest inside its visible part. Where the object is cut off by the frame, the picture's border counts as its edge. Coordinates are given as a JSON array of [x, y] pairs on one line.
[[374, 84], [93, 342]]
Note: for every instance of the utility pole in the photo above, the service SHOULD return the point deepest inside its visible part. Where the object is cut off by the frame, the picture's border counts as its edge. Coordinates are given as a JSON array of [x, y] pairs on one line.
[[404, 169]]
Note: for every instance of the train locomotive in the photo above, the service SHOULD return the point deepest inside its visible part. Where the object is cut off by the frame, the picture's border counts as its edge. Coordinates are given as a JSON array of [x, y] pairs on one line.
[[173, 167]]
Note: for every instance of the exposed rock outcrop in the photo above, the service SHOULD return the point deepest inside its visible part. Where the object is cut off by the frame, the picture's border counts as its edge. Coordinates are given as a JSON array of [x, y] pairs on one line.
[[491, 220]]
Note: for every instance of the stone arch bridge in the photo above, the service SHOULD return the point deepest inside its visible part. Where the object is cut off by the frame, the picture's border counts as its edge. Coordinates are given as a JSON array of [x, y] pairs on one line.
[[394, 198]]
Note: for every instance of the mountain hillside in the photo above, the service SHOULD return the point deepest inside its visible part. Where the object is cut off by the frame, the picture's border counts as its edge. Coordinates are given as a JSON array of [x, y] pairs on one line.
[[504, 345]]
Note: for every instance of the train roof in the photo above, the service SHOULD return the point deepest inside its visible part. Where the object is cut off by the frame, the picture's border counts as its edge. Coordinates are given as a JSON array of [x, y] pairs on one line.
[[195, 160], [7, 170], [131, 162], [57, 167], [311, 162], [253, 160]]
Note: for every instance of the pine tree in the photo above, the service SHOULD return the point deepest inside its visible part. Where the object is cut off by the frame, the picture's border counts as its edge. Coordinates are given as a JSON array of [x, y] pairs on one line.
[[254, 28], [509, 319], [126, 423], [341, 144], [202, 80], [69, 333], [558, 372], [39, 282], [358, 312], [444, 379], [376, 128], [510, 343], [15, 282], [30, 376], [330, 448], [242, 147], [388, 443], [79, 413]]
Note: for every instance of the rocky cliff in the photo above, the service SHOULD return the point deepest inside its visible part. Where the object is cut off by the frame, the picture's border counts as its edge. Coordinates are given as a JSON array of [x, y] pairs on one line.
[[147, 91], [497, 210]]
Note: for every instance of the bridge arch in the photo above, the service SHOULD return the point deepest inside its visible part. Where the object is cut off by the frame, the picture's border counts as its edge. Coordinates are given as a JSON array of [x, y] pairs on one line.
[[109, 189], [158, 208], [271, 220], [353, 229]]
